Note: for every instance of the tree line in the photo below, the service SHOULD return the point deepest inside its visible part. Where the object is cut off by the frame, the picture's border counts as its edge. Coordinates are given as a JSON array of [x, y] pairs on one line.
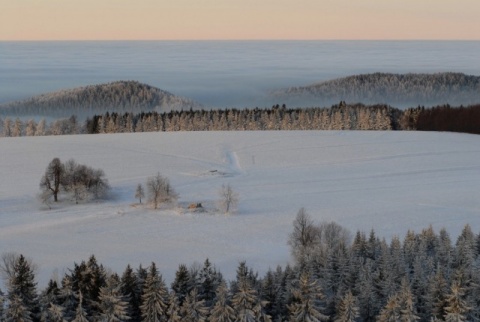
[[335, 276], [341, 116]]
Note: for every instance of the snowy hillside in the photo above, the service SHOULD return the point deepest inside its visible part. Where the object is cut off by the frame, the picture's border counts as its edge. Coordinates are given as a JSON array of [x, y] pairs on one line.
[[399, 90], [116, 97], [388, 181]]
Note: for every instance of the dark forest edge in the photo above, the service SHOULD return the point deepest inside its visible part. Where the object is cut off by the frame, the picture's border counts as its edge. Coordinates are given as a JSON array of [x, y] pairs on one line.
[[341, 116], [335, 276]]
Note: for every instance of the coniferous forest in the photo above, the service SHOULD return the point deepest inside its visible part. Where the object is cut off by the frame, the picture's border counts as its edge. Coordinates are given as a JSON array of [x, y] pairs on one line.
[[338, 117], [334, 276]]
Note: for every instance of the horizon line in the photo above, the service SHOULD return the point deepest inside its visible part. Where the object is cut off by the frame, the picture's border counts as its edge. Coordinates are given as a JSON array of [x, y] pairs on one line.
[[239, 40]]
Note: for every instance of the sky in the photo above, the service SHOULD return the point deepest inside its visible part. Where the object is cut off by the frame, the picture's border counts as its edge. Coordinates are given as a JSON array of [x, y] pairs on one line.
[[239, 19]]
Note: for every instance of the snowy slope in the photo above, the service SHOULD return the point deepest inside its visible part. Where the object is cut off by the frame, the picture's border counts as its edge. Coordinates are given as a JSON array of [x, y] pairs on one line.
[[389, 181]]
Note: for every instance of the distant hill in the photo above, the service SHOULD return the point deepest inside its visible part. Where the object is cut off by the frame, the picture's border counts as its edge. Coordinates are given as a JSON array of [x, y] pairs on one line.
[[120, 97], [400, 90]]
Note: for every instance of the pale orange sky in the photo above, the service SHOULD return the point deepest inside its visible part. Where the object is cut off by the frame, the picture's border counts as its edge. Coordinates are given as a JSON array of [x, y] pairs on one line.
[[238, 19]]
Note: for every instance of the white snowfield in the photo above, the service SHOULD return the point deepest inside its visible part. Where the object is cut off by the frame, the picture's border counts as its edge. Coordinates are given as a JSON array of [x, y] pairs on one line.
[[388, 181]]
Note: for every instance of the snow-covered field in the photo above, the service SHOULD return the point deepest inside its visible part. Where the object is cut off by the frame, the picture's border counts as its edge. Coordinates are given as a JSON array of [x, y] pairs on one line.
[[388, 181]]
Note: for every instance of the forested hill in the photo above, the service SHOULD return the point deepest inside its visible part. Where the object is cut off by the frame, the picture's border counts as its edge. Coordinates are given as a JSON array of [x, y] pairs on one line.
[[399, 90], [120, 97]]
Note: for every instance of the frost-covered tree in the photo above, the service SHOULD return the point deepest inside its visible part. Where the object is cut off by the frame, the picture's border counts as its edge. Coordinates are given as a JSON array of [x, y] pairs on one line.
[[160, 190], [245, 300], [181, 283], [129, 288], [304, 237], [80, 313], [41, 128], [22, 292], [307, 300], [113, 307], [53, 178], [222, 311], [193, 309], [391, 311], [17, 129], [456, 308], [139, 193], [347, 310], [228, 199], [155, 297], [173, 310], [30, 128]]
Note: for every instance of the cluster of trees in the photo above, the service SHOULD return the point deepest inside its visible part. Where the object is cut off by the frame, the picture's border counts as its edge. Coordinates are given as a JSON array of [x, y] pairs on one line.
[[118, 96], [401, 90], [338, 117], [79, 181], [334, 278], [445, 118], [17, 127], [159, 191]]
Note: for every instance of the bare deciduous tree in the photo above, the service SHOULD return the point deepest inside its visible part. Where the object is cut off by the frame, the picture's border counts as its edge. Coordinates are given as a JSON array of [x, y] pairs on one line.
[[160, 190], [305, 235], [139, 193], [228, 199], [53, 177]]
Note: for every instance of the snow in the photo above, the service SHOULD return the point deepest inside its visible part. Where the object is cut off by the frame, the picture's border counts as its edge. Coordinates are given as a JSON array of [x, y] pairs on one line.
[[387, 181]]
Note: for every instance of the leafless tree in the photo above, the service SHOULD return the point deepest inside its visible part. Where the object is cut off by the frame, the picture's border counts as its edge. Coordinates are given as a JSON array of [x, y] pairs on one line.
[[228, 199], [160, 190], [139, 193], [53, 177], [305, 235]]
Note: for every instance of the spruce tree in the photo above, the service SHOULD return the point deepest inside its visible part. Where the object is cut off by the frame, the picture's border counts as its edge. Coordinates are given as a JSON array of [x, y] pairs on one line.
[[193, 309], [80, 313], [155, 297], [347, 309], [173, 310], [222, 311], [22, 288], [245, 300], [456, 309], [180, 284], [129, 289], [112, 305], [307, 300]]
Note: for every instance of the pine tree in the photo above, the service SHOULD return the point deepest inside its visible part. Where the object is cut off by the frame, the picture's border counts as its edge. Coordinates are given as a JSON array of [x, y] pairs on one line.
[[155, 297], [456, 308], [173, 310], [222, 311], [22, 288], [180, 285], [245, 300], [407, 307], [68, 298], [17, 311], [347, 310], [112, 305], [193, 309], [129, 289], [209, 279], [56, 313], [80, 313], [307, 296], [391, 311]]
